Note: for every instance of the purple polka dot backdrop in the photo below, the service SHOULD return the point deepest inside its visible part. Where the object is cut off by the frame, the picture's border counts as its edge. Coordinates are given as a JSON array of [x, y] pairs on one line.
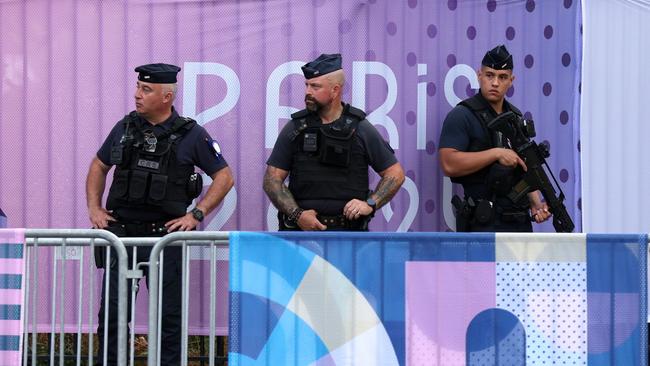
[[432, 31], [545, 42], [529, 61], [411, 59], [406, 62], [431, 89], [471, 33]]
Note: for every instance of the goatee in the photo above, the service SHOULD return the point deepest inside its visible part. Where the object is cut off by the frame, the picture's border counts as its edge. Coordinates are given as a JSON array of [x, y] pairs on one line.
[[312, 105]]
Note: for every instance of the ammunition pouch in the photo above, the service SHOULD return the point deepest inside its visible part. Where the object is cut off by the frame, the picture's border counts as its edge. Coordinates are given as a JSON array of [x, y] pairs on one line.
[[484, 212], [336, 148], [194, 185]]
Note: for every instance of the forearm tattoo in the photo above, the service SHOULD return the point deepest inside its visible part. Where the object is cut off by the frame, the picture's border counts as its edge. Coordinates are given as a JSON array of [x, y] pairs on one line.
[[386, 189], [279, 194]]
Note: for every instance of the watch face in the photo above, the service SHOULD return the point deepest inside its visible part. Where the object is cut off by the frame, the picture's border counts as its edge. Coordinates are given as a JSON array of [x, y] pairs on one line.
[[198, 214], [371, 203]]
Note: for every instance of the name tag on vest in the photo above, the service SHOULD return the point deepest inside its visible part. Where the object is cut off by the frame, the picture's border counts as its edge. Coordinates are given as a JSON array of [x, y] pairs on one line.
[[148, 164]]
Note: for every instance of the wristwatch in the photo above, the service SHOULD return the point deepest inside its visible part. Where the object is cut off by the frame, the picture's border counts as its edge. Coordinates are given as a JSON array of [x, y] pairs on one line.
[[197, 214], [371, 202], [292, 219]]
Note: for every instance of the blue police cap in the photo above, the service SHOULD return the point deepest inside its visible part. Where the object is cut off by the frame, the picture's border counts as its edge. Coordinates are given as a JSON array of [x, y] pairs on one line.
[[158, 73], [324, 64], [498, 58]]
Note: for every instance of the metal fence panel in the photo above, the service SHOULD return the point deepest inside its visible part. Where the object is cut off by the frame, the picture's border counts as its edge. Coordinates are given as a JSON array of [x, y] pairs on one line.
[[210, 239], [63, 240]]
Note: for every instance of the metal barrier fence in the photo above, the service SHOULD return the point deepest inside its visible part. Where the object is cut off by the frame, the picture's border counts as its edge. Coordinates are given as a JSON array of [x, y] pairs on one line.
[[62, 239], [183, 239], [86, 300]]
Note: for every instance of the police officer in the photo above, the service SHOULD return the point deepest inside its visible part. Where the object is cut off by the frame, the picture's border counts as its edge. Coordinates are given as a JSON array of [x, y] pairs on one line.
[[481, 160], [154, 152], [326, 149]]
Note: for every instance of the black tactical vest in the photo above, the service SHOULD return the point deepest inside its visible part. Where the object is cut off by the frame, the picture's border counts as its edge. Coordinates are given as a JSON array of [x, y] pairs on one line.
[[148, 176], [484, 113], [330, 163]]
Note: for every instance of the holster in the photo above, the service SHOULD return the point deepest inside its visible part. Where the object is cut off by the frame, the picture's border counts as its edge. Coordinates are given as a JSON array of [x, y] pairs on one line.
[[470, 212], [463, 211], [100, 251]]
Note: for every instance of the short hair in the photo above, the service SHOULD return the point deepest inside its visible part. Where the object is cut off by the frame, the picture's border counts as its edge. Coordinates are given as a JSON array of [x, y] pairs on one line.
[[172, 88], [336, 77]]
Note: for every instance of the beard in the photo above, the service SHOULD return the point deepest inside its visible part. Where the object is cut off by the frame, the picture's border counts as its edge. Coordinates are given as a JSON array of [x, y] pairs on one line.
[[312, 104]]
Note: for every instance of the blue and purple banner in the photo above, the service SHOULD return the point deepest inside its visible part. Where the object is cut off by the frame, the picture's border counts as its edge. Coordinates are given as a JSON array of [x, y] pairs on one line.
[[12, 295], [437, 299]]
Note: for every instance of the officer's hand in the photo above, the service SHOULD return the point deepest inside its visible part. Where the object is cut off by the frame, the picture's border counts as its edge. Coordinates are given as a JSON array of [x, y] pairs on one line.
[[356, 208], [99, 217], [308, 221], [539, 212], [510, 158], [183, 223]]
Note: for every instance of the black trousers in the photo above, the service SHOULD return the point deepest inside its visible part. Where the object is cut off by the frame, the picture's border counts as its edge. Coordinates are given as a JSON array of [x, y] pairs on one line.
[[170, 347], [498, 224]]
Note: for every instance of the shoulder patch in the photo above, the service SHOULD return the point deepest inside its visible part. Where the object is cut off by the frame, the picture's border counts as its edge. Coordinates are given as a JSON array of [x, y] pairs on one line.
[[214, 146]]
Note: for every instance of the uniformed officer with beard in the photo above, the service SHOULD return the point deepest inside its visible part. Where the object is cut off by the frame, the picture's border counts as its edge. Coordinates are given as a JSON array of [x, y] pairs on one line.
[[325, 150]]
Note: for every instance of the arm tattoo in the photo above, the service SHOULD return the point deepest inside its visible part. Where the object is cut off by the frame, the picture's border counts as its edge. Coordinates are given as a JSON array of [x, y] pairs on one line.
[[279, 194], [386, 189]]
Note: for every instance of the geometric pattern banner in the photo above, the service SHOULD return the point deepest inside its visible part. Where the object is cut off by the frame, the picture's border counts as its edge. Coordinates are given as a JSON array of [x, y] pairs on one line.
[[437, 299]]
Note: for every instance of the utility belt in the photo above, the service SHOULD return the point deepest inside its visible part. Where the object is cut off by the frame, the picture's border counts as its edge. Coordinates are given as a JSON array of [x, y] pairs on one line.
[[340, 222], [129, 229], [484, 212], [333, 223], [137, 228]]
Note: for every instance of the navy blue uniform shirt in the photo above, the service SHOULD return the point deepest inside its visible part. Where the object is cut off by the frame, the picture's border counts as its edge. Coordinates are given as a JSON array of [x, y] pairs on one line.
[[460, 128], [195, 148]]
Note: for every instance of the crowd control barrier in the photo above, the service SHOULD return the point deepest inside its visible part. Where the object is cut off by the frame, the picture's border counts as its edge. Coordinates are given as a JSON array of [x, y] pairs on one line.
[[437, 299], [184, 239], [60, 290], [391, 293]]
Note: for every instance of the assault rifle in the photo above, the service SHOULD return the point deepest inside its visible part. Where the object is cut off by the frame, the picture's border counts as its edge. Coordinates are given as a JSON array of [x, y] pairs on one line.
[[520, 133]]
